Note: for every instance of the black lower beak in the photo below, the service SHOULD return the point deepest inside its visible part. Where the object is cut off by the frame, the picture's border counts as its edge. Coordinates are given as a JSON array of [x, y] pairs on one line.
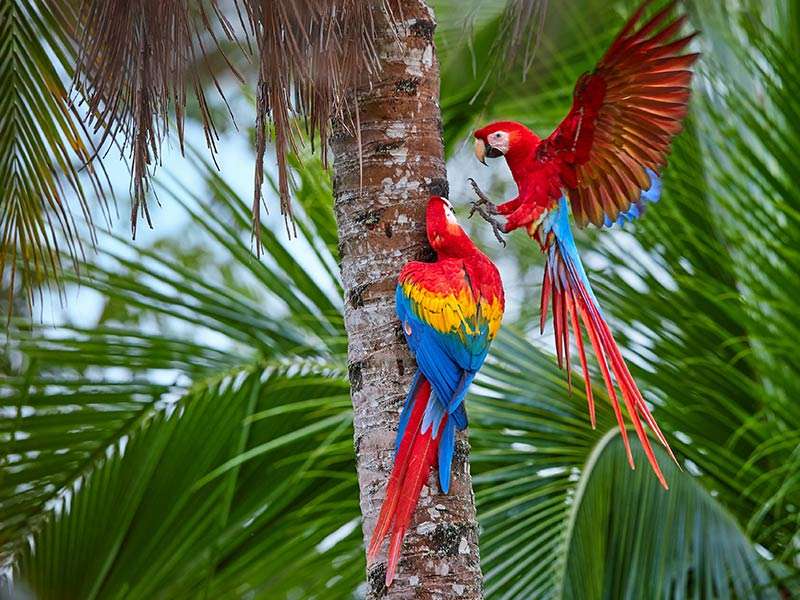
[[492, 152]]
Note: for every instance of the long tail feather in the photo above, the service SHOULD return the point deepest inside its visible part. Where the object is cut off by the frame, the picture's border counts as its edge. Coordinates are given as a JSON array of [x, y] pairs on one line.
[[576, 328], [572, 298], [416, 452]]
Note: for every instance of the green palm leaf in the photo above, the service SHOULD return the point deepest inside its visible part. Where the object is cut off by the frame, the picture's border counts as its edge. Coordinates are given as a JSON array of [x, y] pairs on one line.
[[196, 443], [565, 517], [43, 146]]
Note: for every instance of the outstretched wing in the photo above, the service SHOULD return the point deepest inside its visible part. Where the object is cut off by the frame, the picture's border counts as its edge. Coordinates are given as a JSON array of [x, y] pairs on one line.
[[624, 115], [447, 323]]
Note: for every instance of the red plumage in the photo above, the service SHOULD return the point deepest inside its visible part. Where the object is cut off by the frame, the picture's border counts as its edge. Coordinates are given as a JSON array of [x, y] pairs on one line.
[[413, 462], [571, 301], [604, 159], [449, 310], [623, 118]]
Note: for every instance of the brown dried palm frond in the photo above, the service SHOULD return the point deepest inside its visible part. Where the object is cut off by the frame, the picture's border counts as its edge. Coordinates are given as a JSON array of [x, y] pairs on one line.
[[43, 147], [311, 53], [136, 61]]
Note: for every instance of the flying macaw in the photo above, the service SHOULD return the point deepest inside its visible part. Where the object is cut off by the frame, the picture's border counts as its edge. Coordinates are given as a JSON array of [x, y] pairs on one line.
[[602, 162], [450, 311]]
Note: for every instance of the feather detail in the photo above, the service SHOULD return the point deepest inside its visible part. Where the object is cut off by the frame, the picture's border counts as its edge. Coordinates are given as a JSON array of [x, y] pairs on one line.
[[449, 312], [416, 452], [624, 115], [574, 300], [425, 433]]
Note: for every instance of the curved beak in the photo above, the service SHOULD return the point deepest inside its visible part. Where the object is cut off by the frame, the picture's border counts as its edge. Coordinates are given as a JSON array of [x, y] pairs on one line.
[[480, 150], [484, 151]]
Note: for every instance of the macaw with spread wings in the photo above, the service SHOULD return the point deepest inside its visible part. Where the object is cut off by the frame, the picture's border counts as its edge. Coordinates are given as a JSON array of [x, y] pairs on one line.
[[602, 164]]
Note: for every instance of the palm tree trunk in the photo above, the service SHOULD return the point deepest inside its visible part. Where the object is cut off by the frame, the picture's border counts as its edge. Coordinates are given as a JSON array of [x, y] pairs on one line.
[[380, 205]]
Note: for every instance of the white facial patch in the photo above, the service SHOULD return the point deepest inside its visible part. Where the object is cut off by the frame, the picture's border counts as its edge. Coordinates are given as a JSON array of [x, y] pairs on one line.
[[449, 214], [499, 140]]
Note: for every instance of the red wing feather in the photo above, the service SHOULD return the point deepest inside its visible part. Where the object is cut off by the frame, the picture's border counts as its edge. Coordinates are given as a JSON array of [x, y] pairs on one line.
[[624, 116]]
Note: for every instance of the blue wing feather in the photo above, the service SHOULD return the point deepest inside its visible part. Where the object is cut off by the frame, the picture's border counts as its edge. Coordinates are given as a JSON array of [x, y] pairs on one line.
[[650, 195], [449, 361]]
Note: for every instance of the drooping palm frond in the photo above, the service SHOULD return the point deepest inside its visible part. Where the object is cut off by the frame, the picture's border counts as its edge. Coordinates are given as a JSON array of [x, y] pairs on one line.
[[145, 523], [477, 82], [139, 61], [135, 64], [612, 549], [564, 517], [82, 393], [312, 55], [43, 146]]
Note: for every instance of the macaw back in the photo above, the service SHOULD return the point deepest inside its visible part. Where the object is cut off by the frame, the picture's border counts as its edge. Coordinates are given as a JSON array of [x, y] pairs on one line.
[[450, 310]]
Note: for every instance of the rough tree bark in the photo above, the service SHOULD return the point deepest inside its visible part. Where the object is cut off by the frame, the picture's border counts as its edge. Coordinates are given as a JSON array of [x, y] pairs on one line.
[[380, 215]]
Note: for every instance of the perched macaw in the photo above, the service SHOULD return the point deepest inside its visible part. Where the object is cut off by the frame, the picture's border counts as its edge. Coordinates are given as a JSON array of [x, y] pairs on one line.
[[450, 311], [602, 162]]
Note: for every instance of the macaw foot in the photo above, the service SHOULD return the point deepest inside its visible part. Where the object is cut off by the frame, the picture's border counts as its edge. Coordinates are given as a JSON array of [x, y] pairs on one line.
[[483, 200], [487, 210]]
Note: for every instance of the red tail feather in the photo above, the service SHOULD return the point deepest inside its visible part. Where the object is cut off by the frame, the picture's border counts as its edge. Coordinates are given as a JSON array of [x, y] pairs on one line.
[[547, 284], [571, 299], [576, 328], [412, 465]]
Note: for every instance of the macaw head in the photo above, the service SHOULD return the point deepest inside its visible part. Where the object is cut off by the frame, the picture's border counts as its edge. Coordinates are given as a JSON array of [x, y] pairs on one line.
[[505, 138], [444, 233]]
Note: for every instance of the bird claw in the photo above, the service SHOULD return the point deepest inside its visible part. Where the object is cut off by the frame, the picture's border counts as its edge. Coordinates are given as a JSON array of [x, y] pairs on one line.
[[483, 200], [487, 210]]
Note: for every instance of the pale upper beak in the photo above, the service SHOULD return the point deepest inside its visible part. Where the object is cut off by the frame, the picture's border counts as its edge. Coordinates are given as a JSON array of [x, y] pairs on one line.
[[484, 151], [480, 150]]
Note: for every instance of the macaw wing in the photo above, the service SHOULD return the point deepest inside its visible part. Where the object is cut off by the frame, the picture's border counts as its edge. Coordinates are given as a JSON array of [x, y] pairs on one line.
[[624, 115], [448, 326]]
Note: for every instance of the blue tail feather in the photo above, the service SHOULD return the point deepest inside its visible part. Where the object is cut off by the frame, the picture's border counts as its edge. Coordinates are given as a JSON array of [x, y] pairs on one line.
[[439, 422], [446, 448], [433, 417], [557, 222]]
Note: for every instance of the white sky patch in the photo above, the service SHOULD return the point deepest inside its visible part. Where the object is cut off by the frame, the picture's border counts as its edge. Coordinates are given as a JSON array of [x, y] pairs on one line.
[[337, 536], [692, 468], [551, 471], [764, 552], [523, 447]]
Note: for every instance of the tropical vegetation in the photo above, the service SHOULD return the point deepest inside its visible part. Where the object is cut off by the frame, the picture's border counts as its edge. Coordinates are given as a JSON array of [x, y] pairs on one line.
[[196, 440]]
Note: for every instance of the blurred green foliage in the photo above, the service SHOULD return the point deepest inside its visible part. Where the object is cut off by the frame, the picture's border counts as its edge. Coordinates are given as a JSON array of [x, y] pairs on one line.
[[196, 442]]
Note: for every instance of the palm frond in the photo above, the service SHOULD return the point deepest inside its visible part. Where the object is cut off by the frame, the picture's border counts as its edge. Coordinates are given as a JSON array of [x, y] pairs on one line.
[[564, 516], [135, 64], [43, 147], [312, 55], [74, 394], [142, 525]]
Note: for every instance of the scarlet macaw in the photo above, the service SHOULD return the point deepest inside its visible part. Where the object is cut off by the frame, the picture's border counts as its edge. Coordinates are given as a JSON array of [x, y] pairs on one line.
[[603, 161], [449, 310]]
